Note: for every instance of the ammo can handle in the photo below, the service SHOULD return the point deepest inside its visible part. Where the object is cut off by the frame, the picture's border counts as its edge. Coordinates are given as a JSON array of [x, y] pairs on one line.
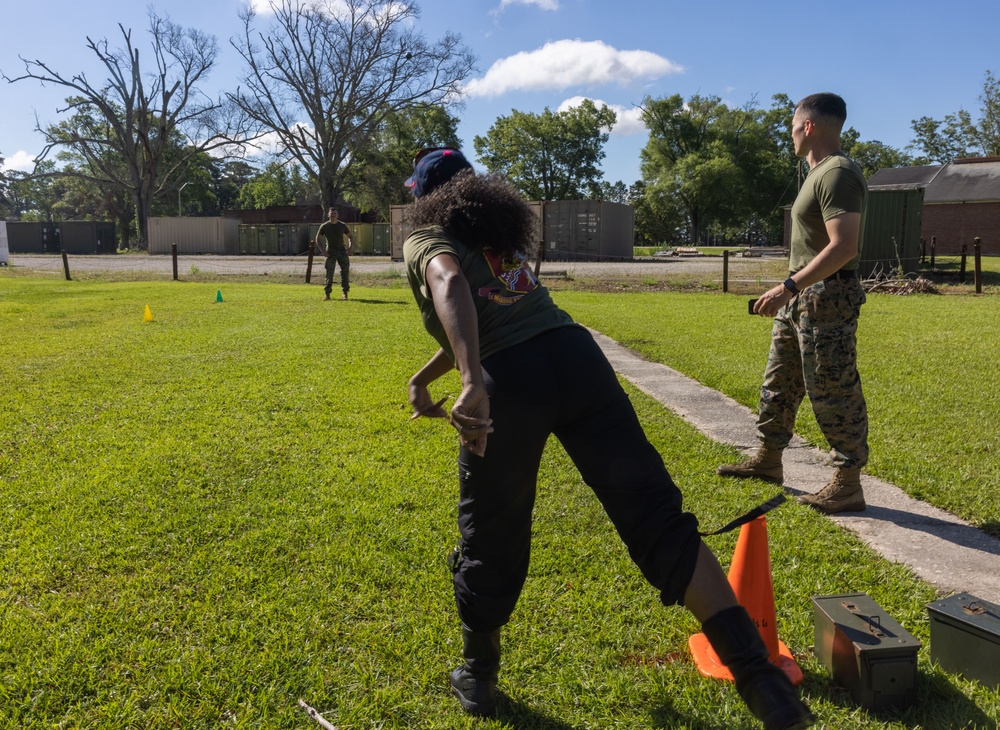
[[874, 622]]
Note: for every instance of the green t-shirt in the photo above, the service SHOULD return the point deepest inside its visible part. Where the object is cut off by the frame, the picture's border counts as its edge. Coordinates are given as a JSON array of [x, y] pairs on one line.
[[334, 233], [511, 305], [834, 187]]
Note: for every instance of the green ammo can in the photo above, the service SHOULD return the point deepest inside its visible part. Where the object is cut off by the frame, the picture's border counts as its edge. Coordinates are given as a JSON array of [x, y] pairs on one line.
[[866, 651], [965, 637]]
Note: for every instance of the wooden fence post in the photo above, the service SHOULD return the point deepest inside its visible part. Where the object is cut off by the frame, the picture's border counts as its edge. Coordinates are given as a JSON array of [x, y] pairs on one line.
[[309, 264], [173, 255], [961, 270], [65, 264], [725, 271], [933, 249], [923, 251], [978, 251]]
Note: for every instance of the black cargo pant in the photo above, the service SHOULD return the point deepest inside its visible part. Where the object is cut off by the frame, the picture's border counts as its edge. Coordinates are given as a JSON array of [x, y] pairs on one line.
[[560, 382]]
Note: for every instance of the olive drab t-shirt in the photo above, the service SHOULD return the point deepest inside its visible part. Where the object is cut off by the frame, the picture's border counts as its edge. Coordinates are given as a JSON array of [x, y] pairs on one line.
[[511, 305], [334, 233], [834, 187]]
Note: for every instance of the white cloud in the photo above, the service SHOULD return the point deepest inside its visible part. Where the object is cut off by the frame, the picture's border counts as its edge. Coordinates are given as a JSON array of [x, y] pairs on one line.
[[543, 4], [566, 63], [629, 119], [20, 160]]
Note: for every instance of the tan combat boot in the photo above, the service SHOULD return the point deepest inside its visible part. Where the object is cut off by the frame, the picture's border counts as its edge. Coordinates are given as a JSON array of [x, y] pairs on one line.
[[842, 494], [765, 464]]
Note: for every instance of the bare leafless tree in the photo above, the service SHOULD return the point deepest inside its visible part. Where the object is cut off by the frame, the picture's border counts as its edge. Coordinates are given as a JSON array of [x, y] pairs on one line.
[[150, 125], [324, 75]]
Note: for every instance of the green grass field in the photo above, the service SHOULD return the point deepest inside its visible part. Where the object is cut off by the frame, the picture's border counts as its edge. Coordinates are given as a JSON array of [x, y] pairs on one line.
[[210, 516]]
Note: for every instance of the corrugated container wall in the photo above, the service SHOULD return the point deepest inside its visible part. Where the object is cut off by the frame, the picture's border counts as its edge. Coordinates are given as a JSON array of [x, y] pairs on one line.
[[74, 237], [587, 230], [194, 235], [891, 232], [362, 235]]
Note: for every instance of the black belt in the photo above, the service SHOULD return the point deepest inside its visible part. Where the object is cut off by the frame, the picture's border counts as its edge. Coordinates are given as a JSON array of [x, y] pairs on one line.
[[843, 274]]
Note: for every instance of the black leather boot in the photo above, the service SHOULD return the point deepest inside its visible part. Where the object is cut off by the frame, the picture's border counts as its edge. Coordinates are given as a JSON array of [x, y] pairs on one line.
[[475, 682], [764, 687]]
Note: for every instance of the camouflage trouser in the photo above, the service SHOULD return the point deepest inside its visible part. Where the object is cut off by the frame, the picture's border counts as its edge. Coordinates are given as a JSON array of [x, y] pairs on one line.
[[814, 353], [337, 257]]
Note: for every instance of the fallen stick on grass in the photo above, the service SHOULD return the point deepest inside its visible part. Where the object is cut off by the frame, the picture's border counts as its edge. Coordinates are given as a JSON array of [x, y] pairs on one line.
[[316, 716]]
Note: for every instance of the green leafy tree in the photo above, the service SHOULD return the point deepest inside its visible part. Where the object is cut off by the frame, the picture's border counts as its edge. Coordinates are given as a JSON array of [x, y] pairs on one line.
[[872, 155], [325, 75], [31, 197], [617, 192], [721, 167], [137, 111], [552, 155], [277, 184], [959, 135], [228, 179], [386, 159], [658, 220]]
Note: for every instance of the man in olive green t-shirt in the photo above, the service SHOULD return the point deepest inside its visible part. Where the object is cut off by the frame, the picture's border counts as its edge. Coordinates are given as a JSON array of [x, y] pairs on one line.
[[334, 231], [813, 342]]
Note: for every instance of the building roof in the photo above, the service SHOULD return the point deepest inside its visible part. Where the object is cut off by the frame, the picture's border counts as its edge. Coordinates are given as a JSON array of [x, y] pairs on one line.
[[899, 178], [966, 180]]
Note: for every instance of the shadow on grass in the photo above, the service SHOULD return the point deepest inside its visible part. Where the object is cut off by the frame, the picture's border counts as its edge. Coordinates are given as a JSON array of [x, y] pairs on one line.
[[939, 706], [375, 301], [524, 717]]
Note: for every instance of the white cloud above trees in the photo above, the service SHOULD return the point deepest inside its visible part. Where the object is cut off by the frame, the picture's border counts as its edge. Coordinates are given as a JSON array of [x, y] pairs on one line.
[[570, 63]]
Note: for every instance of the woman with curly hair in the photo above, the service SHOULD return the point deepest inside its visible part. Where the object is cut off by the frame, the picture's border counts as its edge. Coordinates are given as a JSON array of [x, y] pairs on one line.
[[528, 371]]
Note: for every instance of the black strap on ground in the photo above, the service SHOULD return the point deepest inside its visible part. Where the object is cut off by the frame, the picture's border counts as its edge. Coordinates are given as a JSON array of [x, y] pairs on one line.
[[751, 515]]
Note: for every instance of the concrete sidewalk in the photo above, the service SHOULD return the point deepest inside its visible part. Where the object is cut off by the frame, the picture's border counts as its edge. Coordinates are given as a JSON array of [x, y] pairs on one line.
[[940, 548]]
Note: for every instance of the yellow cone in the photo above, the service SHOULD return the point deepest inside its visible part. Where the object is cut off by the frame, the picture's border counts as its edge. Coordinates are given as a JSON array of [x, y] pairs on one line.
[[147, 316]]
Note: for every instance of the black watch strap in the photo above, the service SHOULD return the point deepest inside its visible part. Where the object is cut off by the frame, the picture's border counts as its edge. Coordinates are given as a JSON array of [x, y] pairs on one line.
[[790, 286]]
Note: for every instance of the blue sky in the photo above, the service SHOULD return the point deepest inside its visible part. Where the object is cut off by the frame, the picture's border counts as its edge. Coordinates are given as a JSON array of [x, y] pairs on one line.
[[892, 61]]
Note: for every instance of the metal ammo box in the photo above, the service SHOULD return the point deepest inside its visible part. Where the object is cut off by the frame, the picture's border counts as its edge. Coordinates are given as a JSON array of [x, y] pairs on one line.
[[866, 651], [965, 637]]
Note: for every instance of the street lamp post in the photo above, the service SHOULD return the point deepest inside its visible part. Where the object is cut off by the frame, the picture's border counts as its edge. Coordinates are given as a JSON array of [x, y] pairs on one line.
[[179, 197]]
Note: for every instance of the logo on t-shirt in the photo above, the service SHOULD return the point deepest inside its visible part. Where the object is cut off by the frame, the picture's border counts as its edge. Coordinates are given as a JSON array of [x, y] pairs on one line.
[[515, 275]]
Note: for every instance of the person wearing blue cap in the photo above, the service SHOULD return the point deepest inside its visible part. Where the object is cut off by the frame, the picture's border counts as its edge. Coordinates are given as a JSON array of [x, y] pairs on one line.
[[528, 371]]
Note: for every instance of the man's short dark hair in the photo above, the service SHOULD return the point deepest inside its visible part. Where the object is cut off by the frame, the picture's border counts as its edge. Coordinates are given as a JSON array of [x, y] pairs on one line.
[[824, 105]]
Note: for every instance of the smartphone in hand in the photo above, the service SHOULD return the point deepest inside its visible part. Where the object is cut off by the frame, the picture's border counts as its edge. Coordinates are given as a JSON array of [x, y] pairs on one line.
[[751, 304]]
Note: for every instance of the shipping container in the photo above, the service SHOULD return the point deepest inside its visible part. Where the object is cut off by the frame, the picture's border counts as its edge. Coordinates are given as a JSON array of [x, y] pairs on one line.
[[74, 237], [26, 237], [579, 230], [195, 235], [84, 237], [891, 233], [362, 235], [381, 239]]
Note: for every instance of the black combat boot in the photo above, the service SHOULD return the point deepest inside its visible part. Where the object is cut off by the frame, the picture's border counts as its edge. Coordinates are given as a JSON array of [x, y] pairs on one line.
[[475, 682], [764, 687]]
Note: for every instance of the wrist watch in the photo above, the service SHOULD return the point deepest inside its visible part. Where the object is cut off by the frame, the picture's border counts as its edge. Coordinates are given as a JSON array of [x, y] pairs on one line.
[[790, 286]]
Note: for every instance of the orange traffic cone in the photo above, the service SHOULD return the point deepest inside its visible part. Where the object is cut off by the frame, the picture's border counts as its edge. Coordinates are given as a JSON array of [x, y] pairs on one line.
[[750, 577]]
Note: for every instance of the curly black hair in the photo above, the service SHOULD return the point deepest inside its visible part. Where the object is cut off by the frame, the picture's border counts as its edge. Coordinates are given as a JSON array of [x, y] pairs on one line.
[[479, 210]]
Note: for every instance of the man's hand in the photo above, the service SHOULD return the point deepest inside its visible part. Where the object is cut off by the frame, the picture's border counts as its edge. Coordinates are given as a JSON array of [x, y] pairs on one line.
[[772, 300]]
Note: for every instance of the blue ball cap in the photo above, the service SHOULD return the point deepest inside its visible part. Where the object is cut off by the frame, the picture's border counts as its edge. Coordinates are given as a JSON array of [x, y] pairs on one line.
[[435, 169]]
